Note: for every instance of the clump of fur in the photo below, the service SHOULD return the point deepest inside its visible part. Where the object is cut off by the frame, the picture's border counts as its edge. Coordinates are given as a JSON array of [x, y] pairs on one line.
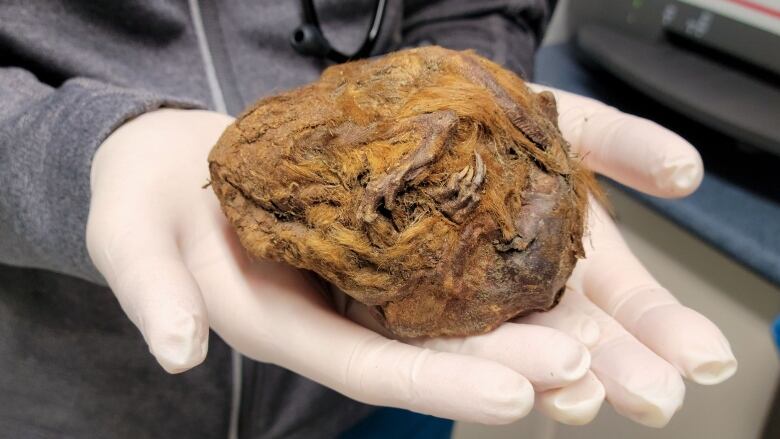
[[430, 184]]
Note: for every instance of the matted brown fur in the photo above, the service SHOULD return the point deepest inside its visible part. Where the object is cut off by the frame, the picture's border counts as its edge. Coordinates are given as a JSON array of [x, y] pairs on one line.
[[429, 184]]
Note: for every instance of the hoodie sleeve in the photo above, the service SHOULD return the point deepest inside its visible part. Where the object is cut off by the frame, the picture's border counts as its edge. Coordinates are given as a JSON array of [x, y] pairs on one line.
[[506, 31], [47, 139]]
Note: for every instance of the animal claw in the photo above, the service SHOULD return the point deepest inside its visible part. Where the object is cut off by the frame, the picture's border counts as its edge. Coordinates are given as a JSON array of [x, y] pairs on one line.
[[461, 193]]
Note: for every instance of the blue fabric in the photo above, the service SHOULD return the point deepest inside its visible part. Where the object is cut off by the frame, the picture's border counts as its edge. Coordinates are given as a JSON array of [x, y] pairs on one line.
[[394, 423], [776, 332]]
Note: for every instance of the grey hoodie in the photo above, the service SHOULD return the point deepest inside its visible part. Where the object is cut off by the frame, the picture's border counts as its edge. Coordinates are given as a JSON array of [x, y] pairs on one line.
[[71, 364]]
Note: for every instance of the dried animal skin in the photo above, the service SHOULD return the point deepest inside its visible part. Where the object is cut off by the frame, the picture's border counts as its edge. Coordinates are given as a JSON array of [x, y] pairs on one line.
[[429, 184]]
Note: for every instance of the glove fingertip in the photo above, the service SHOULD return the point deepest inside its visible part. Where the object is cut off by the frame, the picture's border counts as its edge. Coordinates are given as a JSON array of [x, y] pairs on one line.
[[680, 179], [713, 372], [181, 346], [577, 404]]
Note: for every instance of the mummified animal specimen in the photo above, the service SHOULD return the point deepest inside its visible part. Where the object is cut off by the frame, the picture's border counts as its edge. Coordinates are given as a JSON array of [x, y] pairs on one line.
[[429, 184]]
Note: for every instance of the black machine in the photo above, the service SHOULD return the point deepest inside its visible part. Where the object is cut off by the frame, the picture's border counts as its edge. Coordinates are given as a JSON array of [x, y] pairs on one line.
[[715, 61]]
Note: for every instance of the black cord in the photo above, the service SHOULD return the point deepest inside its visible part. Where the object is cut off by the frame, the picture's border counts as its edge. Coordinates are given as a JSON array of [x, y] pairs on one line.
[[308, 39]]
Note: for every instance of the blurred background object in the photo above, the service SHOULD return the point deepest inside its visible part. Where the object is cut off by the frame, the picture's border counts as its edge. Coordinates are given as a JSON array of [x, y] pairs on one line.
[[715, 61], [710, 71]]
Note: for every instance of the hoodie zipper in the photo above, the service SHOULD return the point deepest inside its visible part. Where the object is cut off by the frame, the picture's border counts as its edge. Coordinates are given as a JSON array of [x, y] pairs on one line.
[[218, 99], [217, 96]]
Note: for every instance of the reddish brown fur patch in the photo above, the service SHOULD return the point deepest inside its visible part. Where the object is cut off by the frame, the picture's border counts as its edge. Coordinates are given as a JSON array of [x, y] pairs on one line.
[[431, 184]]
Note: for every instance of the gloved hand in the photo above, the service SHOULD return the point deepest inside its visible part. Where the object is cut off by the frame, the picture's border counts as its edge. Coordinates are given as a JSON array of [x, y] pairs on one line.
[[176, 267], [647, 339]]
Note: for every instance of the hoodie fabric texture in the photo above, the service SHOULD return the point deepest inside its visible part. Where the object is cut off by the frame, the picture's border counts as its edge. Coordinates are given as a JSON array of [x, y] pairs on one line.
[[72, 365]]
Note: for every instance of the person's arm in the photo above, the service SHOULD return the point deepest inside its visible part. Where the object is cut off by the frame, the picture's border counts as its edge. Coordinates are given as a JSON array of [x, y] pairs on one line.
[[48, 136], [506, 31]]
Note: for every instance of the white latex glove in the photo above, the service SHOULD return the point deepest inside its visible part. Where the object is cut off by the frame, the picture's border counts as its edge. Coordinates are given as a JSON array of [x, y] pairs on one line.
[[647, 339], [177, 267]]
